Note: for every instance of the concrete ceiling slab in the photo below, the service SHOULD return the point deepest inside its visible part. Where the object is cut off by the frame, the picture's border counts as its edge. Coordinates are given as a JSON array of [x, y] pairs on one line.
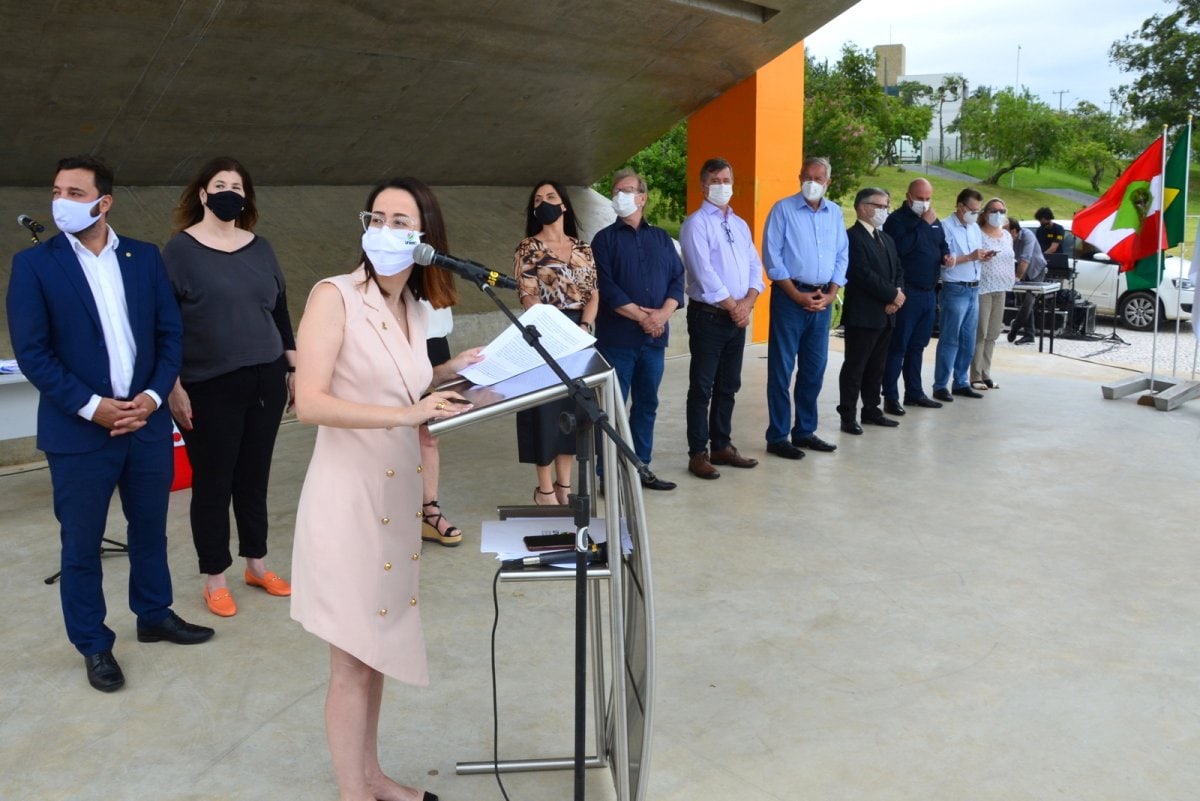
[[481, 92]]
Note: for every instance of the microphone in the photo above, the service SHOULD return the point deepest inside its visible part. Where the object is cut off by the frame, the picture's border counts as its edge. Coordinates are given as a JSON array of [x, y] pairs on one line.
[[33, 225], [598, 553], [476, 273]]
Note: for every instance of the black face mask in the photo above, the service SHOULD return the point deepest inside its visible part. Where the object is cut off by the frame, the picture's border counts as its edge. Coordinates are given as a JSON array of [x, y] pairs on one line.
[[547, 213], [226, 205]]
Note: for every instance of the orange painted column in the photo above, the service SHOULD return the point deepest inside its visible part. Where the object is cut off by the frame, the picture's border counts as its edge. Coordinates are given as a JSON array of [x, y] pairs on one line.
[[758, 126]]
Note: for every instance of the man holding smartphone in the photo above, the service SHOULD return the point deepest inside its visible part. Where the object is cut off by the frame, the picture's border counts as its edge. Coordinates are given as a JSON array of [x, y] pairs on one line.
[[960, 299]]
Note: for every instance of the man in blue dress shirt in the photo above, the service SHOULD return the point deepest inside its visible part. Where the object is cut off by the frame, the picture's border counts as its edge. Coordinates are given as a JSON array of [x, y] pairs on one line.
[[640, 279], [806, 252], [960, 299], [724, 278]]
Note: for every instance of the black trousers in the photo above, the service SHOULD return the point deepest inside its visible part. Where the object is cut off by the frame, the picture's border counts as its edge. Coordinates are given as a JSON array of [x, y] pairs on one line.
[[715, 376], [235, 417], [862, 370]]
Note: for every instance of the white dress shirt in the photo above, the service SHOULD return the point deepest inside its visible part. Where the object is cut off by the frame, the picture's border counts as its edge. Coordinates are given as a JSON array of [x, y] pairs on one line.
[[103, 274]]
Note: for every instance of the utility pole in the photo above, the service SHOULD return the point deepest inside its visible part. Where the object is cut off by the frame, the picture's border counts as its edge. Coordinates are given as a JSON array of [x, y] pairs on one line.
[[1017, 85], [1060, 93]]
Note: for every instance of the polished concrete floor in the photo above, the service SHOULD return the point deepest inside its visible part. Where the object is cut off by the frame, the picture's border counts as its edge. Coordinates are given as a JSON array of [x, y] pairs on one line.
[[996, 600]]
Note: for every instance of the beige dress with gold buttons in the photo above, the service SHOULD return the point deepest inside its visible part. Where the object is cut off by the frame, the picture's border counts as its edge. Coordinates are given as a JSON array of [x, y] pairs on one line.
[[355, 562]]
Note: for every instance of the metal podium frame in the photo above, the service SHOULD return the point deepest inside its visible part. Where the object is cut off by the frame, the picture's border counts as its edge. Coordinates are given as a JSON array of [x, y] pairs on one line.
[[622, 743]]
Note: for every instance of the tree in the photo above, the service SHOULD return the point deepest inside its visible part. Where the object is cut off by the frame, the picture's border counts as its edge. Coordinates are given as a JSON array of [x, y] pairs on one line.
[[1165, 55], [842, 104], [905, 115], [1094, 141], [1012, 129], [950, 90]]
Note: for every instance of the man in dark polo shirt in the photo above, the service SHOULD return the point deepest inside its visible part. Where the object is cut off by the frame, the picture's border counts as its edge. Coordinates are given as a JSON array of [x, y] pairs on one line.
[[640, 279], [921, 243], [1049, 233]]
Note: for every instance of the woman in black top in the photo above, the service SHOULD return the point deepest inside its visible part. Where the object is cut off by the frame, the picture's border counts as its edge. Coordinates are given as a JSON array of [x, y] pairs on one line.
[[238, 357]]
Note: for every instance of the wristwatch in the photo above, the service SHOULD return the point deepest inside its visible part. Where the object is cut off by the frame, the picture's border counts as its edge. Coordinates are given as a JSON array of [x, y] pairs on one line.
[[591, 329]]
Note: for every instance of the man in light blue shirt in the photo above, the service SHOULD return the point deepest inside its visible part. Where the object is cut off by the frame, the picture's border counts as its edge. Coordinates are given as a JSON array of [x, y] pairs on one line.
[[724, 278], [959, 299], [806, 253]]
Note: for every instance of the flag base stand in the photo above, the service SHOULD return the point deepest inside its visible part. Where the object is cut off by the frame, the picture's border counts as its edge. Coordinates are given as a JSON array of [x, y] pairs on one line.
[[1166, 394]]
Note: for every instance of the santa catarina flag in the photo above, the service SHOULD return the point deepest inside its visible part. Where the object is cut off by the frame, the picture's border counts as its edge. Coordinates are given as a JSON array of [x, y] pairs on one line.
[[1145, 272], [1124, 222]]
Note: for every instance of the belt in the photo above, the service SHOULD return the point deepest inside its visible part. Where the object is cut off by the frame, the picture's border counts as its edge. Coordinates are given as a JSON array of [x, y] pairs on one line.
[[964, 283], [708, 308], [809, 287]]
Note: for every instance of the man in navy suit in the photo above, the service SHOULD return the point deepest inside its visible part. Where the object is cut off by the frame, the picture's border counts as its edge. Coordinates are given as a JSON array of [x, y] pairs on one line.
[[96, 329]]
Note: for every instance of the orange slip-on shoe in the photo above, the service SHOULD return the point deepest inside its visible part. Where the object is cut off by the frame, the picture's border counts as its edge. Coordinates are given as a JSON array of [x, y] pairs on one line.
[[273, 584], [220, 602]]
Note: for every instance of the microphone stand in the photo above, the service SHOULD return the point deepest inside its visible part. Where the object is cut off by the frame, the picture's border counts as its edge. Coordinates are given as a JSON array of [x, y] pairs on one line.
[[586, 417]]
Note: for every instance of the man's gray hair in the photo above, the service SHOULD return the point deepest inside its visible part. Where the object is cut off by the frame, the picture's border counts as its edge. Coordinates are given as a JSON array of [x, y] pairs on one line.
[[627, 172], [824, 162], [869, 192]]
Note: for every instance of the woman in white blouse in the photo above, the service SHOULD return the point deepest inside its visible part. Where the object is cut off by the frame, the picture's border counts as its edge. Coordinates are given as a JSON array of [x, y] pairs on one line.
[[996, 277]]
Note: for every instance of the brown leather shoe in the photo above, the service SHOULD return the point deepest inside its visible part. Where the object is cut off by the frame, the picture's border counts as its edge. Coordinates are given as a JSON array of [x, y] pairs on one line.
[[729, 455], [701, 467]]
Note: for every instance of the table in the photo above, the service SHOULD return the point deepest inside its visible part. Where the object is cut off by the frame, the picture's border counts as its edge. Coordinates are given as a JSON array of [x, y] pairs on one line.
[[18, 406], [1044, 290]]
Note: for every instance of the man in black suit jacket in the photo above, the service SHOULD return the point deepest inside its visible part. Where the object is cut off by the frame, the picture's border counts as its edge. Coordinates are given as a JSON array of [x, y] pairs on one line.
[[873, 294]]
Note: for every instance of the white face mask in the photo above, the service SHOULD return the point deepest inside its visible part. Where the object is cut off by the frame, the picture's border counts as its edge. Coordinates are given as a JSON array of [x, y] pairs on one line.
[[72, 216], [970, 217], [997, 219], [919, 207], [879, 218], [812, 190], [390, 251], [719, 194], [624, 203]]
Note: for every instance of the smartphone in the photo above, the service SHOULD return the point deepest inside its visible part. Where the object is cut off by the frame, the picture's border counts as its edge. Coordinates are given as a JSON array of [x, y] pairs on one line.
[[560, 541]]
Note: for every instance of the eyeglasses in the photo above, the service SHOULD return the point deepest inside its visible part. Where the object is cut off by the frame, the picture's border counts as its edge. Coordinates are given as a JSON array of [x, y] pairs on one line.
[[398, 222], [997, 211], [728, 232], [883, 206]]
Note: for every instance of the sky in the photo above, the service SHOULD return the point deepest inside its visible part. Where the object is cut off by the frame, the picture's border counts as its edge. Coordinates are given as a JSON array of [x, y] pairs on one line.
[[1063, 43]]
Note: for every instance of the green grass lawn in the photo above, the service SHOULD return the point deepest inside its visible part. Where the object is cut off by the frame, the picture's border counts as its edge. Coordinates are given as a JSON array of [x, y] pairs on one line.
[[1026, 177], [1021, 203]]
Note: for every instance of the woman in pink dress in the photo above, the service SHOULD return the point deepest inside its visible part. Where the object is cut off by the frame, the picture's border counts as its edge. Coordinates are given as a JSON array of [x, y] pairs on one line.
[[361, 376]]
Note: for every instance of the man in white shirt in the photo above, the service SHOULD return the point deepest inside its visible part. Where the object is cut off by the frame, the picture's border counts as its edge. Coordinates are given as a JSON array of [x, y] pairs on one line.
[[96, 329], [959, 299]]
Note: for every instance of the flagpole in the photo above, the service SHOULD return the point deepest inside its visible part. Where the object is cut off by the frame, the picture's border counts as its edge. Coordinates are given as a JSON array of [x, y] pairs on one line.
[[1182, 249], [1162, 171]]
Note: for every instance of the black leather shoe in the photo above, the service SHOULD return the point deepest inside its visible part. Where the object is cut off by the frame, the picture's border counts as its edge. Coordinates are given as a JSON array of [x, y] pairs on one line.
[[175, 629], [967, 392], [103, 672], [880, 420], [785, 449], [893, 407], [851, 427], [814, 443], [943, 395], [926, 403], [1026, 340], [653, 482], [1012, 334]]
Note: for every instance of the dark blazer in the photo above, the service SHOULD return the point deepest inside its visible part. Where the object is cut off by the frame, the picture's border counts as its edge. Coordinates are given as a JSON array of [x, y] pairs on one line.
[[59, 344], [872, 277]]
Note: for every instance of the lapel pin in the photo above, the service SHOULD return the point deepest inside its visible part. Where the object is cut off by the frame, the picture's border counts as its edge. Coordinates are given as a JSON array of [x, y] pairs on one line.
[[128, 255], [384, 324]]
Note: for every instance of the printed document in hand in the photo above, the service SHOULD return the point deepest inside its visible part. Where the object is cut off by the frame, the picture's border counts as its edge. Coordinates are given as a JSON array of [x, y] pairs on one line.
[[508, 354]]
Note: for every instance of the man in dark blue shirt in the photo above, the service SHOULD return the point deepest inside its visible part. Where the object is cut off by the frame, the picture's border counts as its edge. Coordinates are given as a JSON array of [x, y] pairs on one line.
[[921, 244], [640, 284]]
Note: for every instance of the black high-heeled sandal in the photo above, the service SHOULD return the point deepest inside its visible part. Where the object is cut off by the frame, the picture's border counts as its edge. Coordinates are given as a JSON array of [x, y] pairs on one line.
[[450, 537], [567, 487], [538, 491]]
